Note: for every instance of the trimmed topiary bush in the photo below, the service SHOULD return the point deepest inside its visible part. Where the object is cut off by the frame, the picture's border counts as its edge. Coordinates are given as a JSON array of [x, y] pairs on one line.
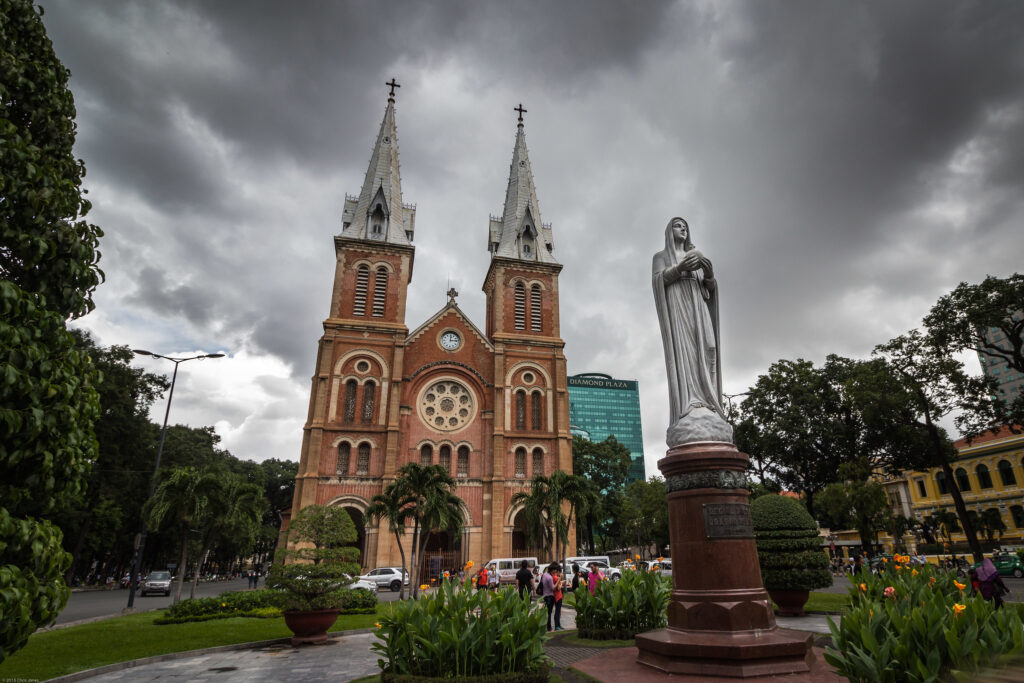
[[788, 545]]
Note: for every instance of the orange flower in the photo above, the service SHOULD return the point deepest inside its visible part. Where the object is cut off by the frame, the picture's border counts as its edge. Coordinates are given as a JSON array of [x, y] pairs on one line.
[[864, 587], [885, 560], [424, 586], [377, 624], [661, 559], [638, 557], [913, 572], [931, 579], [959, 585], [469, 564], [871, 613], [958, 608], [898, 567]]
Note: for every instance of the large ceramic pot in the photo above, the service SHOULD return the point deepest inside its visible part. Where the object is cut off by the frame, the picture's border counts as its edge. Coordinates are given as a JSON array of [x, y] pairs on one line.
[[791, 603], [310, 627]]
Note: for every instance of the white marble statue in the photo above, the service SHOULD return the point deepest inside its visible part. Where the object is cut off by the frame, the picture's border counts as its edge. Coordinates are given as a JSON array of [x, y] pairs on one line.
[[686, 296]]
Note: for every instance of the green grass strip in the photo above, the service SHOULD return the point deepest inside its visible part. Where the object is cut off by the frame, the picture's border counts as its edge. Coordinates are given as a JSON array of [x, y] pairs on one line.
[[77, 648]]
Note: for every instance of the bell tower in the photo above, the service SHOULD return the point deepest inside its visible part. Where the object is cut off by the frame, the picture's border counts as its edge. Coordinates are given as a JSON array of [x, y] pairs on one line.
[[351, 433]]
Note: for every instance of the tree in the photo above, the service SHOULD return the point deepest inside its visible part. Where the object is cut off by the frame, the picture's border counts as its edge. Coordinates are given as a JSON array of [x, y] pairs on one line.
[[432, 504], [856, 501], [917, 384], [180, 501], [965, 319], [606, 466], [945, 522], [645, 512], [992, 524], [535, 504], [550, 505], [48, 272], [393, 506], [329, 529], [797, 423]]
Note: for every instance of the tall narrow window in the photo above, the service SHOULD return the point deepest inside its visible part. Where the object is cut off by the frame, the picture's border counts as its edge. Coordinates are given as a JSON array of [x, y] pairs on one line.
[[1017, 512], [380, 292], [426, 454], [369, 395], [940, 481], [351, 387], [521, 463], [538, 461], [463, 465], [520, 306], [962, 480], [362, 284], [445, 458], [536, 423], [344, 454], [1006, 473], [920, 488], [363, 459], [984, 478], [535, 308], [377, 221], [520, 410]]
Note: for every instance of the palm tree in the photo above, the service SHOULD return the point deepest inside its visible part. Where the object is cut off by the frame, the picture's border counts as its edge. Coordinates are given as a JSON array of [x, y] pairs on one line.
[[536, 509], [432, 504], [180, 500], [234, 514], [545, 505], [394, 506]]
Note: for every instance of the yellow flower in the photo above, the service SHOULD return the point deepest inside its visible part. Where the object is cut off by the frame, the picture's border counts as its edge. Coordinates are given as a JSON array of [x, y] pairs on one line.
[[885, 560], [638, 557], [469, 564], [871, 613], [223, 604], [423, 586], [864, 587], [913, 572], [959, 585], [377, 624], [958, 608]]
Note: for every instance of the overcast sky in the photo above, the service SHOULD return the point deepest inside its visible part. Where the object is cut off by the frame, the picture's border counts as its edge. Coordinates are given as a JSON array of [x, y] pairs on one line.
[[842, 165]]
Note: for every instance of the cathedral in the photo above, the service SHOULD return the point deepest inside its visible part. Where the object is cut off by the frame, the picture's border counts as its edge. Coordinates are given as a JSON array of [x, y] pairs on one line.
[[490, 405]]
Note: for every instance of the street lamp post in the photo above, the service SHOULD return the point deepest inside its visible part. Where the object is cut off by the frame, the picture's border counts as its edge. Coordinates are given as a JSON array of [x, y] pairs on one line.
[[137, 564]]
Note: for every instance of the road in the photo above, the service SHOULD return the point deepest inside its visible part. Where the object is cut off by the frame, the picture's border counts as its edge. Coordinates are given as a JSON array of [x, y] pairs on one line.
[[101, 603]]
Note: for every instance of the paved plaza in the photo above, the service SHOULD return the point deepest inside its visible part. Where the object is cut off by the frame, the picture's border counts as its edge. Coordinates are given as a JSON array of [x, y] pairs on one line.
[[345, 657]]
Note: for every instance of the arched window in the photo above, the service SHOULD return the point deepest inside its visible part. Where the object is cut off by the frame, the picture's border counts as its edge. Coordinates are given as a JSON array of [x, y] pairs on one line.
[[940, 481], [1006, 473], [380, 292], [349, 414], [426, 454], [362, 284], [344, 453], [984, 478], [520, 306], [535, 308], [377, 223], [463, 465], [962, 480], [520, 410], [1017, 512], [445, 458], [535, 412], [521, 463], [538, 461], [363, 459], [369, 394]]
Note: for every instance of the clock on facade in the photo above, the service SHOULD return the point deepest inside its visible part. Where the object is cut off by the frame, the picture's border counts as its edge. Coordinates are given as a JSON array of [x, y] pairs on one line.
[[450, 341]]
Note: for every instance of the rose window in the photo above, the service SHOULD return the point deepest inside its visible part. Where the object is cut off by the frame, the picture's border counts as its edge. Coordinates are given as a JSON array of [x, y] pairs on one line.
[[446, 406]]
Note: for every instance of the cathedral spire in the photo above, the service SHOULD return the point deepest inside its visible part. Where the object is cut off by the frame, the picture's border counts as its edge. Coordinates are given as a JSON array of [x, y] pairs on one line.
[[378, 213], [519, 233]]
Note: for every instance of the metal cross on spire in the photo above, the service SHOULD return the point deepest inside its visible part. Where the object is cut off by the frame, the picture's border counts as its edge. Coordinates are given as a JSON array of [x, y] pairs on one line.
[[393, 84], [451, 295], [520, 110]]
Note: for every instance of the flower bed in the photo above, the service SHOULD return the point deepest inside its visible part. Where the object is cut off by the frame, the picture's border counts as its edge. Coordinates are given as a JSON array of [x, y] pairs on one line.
[[620, 609], [919, 624], [261, 604]]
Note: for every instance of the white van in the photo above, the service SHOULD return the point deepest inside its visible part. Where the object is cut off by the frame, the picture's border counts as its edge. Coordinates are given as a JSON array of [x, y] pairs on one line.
[[508, 566], [602, 561]]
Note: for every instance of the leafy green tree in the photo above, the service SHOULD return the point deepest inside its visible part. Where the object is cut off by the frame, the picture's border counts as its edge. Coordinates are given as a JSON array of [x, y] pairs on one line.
[[646, 513], [945, 522], [536, 503], [394, 507], [857, 501], [48, 272], [962, 319], [180, 501], [550, 505], [606, 465], [331, 532], [992, 524]]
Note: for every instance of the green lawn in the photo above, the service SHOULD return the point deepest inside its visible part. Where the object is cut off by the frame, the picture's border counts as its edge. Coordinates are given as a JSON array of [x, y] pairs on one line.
[[828, 602], [65, 651]]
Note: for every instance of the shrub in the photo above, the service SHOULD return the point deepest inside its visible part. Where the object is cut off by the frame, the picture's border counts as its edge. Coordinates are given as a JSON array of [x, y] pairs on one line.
[[788, 546], [910, 624], [620, 609], [256, 604], [456, 633]]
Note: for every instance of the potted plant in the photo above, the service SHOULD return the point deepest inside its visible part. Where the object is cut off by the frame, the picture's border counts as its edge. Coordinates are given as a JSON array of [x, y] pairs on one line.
[[311, 582], [789, 552]]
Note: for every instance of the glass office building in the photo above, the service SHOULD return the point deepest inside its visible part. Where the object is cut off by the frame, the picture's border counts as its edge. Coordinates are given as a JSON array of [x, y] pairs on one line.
[[603, 406]]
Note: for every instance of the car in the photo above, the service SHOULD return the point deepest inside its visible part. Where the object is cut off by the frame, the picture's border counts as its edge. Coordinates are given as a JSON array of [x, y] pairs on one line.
[[387, 577], [361, 583], [610, 572], [508, 566], [663, 566], [1007, 564], [157, 582]]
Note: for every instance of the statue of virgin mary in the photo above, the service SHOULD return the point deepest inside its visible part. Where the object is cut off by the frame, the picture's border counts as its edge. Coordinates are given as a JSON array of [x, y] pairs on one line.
[[686, 296]]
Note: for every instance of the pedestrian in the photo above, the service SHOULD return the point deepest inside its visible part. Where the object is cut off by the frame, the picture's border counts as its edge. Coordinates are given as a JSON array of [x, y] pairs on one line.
[[858, 565], [481, 579], [524, 577], [547, 583], [594, 577], [559, 582], [580, 577], [248, 576], [493, 578], [990, 585], [255, 579]]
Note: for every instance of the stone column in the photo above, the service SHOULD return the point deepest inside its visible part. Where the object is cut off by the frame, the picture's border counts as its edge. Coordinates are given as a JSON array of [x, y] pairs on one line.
[[720, 619]]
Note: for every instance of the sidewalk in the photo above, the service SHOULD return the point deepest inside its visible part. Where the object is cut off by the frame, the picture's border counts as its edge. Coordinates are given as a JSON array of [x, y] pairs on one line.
[[346, 656]]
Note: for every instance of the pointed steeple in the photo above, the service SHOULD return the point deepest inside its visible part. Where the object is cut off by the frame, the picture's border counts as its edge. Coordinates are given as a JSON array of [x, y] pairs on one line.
[[519, 233], [378, 213]]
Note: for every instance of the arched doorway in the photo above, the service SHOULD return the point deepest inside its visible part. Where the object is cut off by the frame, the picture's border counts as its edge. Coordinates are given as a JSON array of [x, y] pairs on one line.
[[360, 523], [443, 552], [521, 546]]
